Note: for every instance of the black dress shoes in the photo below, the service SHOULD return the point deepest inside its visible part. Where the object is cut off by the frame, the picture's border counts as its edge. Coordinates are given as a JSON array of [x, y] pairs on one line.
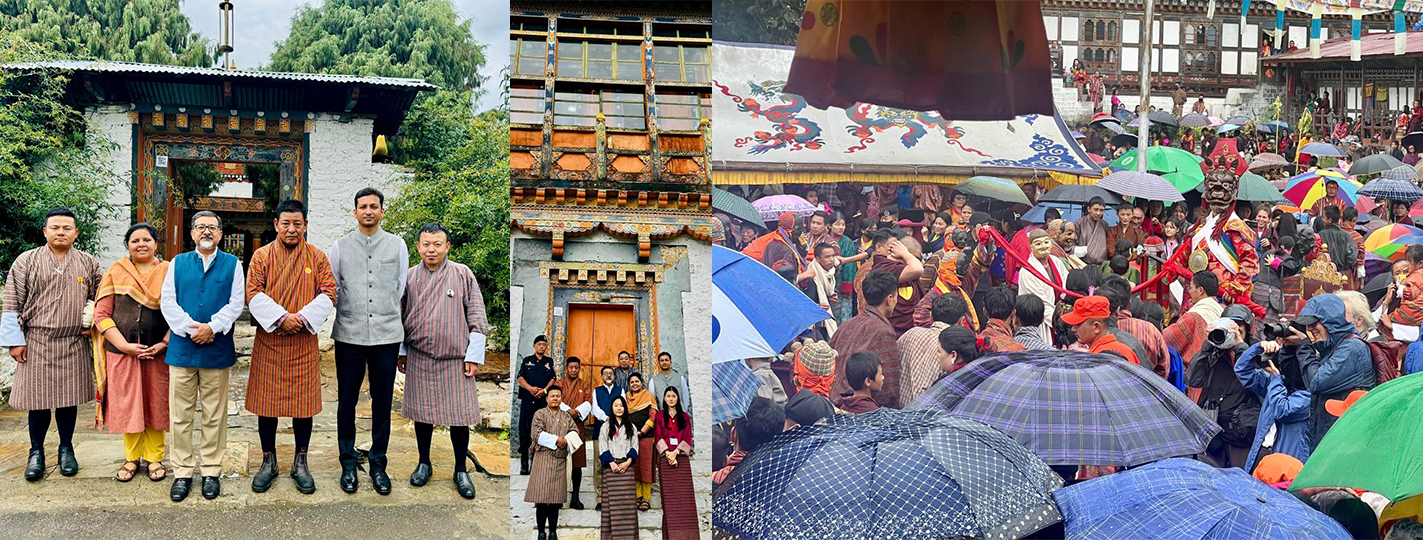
[[421, 475], [464, 485], [381, 481], [180, 489], [34, 468], [211, 487], [304, 482], [68, 466], [349, 483], [543, 536], [574, 503], [262, 480]]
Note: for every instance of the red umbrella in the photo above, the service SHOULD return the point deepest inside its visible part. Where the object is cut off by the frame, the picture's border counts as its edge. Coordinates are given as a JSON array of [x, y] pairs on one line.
[[1099, 159]]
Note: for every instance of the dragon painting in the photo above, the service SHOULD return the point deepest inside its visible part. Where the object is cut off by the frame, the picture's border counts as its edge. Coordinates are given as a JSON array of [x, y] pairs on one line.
[[791, 132], [868, 120]]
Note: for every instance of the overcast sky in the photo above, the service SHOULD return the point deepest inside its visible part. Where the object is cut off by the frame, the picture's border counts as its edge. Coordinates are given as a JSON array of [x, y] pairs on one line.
[[260, 24]]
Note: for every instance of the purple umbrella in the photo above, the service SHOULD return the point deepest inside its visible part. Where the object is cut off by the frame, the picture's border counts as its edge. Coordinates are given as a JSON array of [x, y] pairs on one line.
[[773, 206]]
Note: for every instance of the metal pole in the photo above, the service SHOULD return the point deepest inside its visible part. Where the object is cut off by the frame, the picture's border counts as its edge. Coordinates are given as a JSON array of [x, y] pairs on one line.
[[1143, 135]]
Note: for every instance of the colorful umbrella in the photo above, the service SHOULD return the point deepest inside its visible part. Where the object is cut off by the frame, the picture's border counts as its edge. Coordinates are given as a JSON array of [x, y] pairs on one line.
[[1391, 240], [1227, 128], [1216, 121], [993, 187], [1372, 446], [888, 474], [770, 208], [1078, 135], [755, 312], [1071, 408], [1184, 499], [1097, 158], [1304, 189], [1140, 185], [1181, 168]]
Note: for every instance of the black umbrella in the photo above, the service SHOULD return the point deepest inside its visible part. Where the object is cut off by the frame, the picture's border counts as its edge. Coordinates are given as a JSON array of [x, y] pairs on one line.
[[1377, 287], [1374, 164], [1127, 140], [1163, 118], [1079, 194], [1414, 139]]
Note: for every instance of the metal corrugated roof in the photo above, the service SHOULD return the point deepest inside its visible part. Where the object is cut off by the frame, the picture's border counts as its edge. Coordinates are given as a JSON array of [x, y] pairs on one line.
[[134, 67], [1372, 46]]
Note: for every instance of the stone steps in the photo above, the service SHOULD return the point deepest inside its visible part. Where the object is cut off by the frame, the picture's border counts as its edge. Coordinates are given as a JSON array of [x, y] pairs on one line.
[[574, 524]]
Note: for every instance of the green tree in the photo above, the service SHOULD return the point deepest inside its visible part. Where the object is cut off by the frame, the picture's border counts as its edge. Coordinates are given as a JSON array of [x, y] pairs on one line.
[[46, 159], [776, 22], [461, 165], [149, 31], [400, 38]]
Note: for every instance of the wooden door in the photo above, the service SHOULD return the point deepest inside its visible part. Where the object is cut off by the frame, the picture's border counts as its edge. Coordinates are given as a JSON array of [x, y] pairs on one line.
[[597, 333]]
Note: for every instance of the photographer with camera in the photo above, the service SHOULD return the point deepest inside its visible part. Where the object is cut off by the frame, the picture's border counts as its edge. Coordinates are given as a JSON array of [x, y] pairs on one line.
[[1283, 424], [1332, 363], [1222, 395]]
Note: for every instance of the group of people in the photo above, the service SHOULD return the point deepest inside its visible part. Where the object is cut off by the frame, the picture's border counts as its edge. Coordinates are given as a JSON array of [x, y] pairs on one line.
[[640, 429], [1194, 294], [153, 339]]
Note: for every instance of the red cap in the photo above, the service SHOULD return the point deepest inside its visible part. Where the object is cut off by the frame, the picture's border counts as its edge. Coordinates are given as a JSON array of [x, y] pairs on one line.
[[1088, 308], [1337, 407]]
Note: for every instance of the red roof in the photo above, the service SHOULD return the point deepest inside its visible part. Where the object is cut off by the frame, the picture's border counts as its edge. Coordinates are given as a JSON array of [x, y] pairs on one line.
[[1378, 46]]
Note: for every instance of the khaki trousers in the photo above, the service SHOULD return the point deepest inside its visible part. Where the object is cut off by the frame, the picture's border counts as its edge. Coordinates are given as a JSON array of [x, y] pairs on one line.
[[185, 387]]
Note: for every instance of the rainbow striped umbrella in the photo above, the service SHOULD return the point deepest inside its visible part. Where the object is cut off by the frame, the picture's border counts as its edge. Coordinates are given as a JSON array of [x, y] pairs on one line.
[[1390, 241], [1305, 189]]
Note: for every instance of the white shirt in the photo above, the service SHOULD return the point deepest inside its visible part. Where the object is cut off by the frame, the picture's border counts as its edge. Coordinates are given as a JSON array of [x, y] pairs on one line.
[[221, 322]]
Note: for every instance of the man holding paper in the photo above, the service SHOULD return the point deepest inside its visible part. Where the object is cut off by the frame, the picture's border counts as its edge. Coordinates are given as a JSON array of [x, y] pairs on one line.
[[602, 401], [577, 400], [445, 329]]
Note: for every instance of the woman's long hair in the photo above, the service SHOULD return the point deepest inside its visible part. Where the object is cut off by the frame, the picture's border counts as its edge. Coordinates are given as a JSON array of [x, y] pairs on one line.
[[615, 423], [681, 416]]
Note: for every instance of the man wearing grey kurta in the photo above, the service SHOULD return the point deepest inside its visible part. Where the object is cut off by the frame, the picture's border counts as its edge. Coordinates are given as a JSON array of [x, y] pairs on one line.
[[49, 308], [369, 265], [667, 376]]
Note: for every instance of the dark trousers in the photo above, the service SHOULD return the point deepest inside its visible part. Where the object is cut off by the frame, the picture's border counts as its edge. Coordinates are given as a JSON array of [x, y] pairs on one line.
[[526, 424], [65, 417], [352, 362]]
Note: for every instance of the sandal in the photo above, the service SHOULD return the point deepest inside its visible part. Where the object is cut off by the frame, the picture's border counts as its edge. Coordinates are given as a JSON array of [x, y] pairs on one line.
[[126, 469], [157, 474], [643, 505]]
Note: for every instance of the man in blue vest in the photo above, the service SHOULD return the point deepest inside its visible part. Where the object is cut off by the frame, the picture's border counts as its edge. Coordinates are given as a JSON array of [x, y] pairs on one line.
[[603, 397], [202, 297]]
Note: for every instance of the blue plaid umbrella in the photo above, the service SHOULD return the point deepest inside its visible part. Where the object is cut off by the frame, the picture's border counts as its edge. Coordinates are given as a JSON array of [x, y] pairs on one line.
[[1183, 499], [888, 474], [734, 387], [1389, 188], [1072, 408]]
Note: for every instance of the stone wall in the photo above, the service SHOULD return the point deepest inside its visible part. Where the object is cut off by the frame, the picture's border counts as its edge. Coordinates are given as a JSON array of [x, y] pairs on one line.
[[111, 124], [340, 166]]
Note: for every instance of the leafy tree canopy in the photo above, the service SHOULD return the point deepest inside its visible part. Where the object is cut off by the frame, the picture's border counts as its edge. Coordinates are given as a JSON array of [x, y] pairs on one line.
[[776, 22], [149, 31], [399, 38]]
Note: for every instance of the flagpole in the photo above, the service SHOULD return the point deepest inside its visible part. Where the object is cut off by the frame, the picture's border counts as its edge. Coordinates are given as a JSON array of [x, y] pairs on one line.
[[1143, 135]]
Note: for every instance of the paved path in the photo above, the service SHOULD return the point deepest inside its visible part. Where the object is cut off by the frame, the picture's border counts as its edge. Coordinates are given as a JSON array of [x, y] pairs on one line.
[[585, 524]]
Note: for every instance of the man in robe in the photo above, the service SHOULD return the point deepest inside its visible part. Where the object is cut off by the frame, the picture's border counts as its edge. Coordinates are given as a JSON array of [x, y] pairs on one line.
[[1092, 232], [290, 293], [369, 266], [202, 297], [445, 328], [1222, 243], [578, 400], [1050, 267], [777, 249], [891, 256], [49, 307], [1178, 100], [870, 331]]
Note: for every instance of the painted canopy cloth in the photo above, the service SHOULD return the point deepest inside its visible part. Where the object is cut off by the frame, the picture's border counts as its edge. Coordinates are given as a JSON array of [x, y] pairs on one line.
[[757, 123]]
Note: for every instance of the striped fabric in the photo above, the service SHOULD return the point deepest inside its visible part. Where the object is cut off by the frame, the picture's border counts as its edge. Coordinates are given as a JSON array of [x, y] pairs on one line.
[[869, 332], [619, 500], [48, 296], [1074, 408], [548, 483], [441, 308], [285, 380], [679, 501], [575, 392]]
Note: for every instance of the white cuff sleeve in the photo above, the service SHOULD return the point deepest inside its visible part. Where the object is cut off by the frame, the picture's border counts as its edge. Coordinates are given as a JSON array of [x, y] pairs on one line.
[[475, 352], [316, 311], [10, 333], [266, 311]]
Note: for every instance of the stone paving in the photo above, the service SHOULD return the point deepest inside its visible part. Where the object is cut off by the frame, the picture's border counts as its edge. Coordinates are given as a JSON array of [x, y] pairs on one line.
[[585, 524]]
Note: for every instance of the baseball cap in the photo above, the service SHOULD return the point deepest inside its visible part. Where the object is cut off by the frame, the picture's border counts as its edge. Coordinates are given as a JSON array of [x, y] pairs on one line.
[[1087, 308], [1337, 407]]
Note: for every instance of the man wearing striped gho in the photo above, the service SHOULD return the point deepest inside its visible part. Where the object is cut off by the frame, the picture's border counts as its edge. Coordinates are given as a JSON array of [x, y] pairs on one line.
[[49, 308], [445, 329], [290, 293]]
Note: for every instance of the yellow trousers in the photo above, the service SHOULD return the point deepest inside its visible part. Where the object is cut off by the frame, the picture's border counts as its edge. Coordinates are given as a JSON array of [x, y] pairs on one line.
[[644, 491], [147, 445]]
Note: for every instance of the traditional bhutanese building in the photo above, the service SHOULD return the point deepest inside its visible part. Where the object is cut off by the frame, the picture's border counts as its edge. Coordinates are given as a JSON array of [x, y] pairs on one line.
[[610, 192]]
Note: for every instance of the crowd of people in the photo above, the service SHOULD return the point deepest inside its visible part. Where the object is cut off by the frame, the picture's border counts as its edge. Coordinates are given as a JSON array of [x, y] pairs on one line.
[[640, 429], [154, 338], [920, 281]]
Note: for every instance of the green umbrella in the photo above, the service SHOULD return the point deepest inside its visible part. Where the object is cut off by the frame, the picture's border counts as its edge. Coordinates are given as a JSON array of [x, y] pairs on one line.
[[1377, 445], [1181, 168], [993, 187], [731, 204], [1253, 187]]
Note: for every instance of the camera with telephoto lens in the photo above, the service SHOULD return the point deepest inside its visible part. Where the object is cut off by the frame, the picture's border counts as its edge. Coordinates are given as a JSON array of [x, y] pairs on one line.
[[1273, 331]]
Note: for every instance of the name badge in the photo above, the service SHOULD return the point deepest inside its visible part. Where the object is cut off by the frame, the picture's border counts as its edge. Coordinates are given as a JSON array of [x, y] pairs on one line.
[[672, 440]]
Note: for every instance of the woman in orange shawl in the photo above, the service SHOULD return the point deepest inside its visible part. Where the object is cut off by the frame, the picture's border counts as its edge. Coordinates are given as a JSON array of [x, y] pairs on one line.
[[129, 342], [641, 405]]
